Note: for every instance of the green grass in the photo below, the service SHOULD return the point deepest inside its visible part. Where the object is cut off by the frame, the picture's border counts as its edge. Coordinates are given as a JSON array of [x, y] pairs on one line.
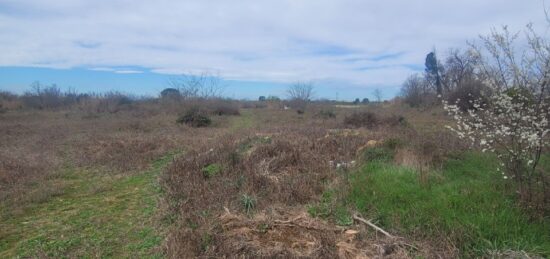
[[468, 203], [247, 119], [98, 215]]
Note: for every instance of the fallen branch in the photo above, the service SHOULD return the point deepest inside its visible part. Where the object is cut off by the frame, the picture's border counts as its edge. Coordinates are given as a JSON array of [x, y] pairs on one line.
[[372, 225]]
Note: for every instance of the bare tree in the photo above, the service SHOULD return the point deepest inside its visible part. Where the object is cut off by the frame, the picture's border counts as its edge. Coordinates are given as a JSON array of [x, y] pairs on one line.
[[204, 85], [301, 91], [459, 68], [415, 90], [377, 94]]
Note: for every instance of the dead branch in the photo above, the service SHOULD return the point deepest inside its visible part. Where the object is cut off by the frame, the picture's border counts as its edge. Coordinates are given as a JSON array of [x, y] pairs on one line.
[[372, 225]]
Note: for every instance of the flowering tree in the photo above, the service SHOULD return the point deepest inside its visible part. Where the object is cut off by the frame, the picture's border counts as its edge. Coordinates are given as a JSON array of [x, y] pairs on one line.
[[512, 119]]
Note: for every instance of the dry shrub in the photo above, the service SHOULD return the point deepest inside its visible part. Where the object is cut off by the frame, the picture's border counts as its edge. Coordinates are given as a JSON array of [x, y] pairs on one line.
[[195, 117], [371, 120], [425, 150], [325, 114], [123, 152], [225, 108], [254, 104], [289, 167]]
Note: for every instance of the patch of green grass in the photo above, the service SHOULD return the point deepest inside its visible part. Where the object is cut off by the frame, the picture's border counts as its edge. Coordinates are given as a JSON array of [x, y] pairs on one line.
[[98, 215], [211, 170], [468, 203], [246, 120]]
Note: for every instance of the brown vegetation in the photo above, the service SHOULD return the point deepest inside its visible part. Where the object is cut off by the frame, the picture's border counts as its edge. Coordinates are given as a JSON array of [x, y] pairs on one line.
[[241, 188]]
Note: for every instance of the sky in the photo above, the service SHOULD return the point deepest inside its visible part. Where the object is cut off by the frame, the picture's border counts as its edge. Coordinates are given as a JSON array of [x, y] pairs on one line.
[[347, 48]]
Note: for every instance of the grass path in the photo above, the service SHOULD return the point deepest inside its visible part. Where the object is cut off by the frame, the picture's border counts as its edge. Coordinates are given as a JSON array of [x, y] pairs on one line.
[[98, 215]]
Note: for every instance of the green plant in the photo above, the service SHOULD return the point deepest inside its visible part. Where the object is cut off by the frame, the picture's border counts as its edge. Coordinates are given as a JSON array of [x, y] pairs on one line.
[[342, 216], [263, 227], [211, 170], [248, 203], [206, 240], [323, 209]]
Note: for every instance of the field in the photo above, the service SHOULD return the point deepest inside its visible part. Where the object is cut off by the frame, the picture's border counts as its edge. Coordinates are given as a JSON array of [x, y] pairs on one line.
[[263, 181]]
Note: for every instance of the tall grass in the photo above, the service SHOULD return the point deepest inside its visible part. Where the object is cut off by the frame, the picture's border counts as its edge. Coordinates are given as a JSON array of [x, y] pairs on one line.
[[468, 203]]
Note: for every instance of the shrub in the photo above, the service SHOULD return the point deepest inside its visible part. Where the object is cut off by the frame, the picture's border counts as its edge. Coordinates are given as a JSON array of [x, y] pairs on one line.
[[362, 119], [326, 114], [370, 120], [194, 118], [298, 104], [225, 108]]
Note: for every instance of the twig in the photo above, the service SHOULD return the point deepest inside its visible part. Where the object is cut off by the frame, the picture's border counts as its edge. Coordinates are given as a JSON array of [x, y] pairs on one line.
[[372, 225]]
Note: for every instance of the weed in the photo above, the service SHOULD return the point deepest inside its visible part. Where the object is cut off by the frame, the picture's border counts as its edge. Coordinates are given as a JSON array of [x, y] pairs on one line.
[[206, 240], [248, 203]]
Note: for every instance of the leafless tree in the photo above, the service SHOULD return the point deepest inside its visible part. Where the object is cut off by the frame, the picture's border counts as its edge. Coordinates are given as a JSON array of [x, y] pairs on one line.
[[301, 91], [204, 85], [460, 67], [377, 94], [414, 90]]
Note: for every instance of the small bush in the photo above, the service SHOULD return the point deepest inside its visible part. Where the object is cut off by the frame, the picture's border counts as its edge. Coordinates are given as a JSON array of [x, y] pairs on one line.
[[370, 120], [326, 114], [362, 119], [194, 118], [225, 108]]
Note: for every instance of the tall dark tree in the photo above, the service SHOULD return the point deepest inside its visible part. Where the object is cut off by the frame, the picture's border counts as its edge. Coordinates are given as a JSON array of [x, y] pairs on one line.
[[432, 71], [170, 93]]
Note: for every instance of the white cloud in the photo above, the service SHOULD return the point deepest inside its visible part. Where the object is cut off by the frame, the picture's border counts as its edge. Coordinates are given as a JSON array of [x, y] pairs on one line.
[[357, 41]]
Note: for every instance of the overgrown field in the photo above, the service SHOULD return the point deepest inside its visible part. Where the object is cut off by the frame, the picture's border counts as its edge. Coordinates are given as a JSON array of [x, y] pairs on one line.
[[228, 179]]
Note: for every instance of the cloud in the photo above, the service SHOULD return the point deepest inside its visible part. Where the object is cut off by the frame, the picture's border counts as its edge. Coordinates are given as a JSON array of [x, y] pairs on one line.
[[87, 44], [128, 72], [360, 42]]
